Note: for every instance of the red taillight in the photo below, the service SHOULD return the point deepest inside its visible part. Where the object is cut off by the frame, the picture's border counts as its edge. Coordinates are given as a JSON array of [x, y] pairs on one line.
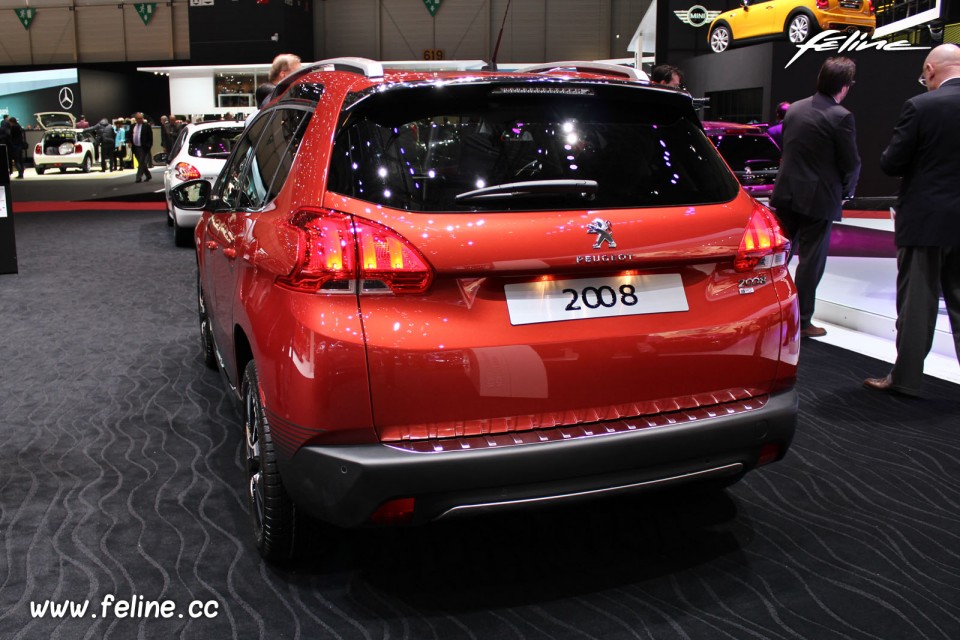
[[38, 150], [763, 244], [396, 511], [335, 250], [186, 171], [77, 148], [823, 4], [873, 6]]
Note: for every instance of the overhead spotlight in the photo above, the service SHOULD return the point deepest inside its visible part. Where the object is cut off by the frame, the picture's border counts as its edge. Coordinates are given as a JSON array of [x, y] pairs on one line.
[[275, 37]]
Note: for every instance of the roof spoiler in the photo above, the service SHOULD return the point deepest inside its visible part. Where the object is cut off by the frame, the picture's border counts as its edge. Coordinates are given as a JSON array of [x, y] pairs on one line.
[[587, 66]]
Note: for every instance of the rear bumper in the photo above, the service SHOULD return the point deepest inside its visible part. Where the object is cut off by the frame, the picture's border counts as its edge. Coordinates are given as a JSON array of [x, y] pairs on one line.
[[344, 485]]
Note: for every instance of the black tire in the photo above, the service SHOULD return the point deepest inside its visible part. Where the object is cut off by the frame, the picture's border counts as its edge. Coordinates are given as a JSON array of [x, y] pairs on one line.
[[272, 512], [800, 27], [87, 164], [63, 169], [40, 170], [721, 38], [206, 334], [182, 236]]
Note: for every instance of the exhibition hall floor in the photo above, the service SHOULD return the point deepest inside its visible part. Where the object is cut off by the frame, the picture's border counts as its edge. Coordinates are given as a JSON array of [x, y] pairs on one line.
[[122, 480]]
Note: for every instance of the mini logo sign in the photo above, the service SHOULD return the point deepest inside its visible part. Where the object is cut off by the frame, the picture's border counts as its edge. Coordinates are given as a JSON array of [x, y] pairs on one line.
[[833, 40], [603, 229], [65, 97], [696, 16], [26, 16], [145, 11], [432, 6]]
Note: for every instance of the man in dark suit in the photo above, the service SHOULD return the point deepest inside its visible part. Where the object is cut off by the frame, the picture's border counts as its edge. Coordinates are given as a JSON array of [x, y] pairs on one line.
[[820, 167], [923, 151], [142, 139]]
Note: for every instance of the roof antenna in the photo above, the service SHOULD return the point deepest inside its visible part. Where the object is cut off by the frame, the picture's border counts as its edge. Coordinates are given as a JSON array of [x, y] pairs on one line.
[[493, 59]]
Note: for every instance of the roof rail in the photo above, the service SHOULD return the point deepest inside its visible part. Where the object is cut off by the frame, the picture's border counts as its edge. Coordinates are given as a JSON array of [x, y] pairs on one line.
[[586, 66]]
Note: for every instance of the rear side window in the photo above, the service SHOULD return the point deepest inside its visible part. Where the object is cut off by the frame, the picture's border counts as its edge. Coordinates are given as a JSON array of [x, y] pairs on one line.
[[213, 143], [178, 143], [265, 152], [483, 148]]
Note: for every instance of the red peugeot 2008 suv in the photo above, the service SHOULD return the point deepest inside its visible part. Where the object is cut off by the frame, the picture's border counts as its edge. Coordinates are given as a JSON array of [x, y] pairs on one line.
[[437, 293]]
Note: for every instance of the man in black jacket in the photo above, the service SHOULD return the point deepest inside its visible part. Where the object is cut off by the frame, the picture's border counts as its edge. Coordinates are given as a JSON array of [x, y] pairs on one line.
[[923, 151], [18, 144], [106, 143], [141, 135], [820, 167]]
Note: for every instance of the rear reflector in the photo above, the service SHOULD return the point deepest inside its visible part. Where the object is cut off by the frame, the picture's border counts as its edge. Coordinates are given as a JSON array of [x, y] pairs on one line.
[[769, 452], [396, 511]]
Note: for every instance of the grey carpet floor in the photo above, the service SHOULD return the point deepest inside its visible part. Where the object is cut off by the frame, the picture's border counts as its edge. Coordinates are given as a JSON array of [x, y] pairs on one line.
[[120, 478]]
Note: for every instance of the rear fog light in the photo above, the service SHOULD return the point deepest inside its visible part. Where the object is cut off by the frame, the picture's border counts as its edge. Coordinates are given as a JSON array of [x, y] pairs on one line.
[[769, 452], [394, 512]]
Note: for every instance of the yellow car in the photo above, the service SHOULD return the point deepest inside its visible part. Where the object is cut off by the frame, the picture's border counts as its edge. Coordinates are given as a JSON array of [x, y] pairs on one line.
[[797, 19]]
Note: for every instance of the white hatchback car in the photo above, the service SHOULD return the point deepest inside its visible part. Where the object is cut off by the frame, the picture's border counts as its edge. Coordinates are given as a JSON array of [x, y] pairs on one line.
[[63, 146], [200, 151]]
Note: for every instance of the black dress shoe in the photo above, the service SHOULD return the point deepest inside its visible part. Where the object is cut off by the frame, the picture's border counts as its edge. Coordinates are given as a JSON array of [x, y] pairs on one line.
[[138, 180], [813, 332]]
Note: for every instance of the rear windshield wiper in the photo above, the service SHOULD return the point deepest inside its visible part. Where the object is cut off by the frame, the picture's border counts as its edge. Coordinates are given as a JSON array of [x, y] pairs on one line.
[[579, 188]]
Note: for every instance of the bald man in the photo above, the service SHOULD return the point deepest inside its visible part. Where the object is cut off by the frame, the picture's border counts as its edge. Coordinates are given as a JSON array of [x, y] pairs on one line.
[[923, 151]]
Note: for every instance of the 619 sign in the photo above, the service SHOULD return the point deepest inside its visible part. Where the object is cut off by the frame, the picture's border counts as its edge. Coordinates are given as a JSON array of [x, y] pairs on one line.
[[434, 54]]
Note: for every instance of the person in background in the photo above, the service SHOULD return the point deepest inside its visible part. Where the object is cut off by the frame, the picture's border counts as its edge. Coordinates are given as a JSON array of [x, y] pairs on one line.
[[120, 144], [167, 134], [82, 123], [819, 169], [5, 139], [107, 137], [775, 130], [283, 65], [923, 151], [142, 137], [667, 75], [17, 144]]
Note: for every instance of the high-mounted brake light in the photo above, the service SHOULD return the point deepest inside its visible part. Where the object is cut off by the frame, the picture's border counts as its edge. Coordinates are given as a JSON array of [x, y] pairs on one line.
[[336, 250], [763, 245], [186, 171]]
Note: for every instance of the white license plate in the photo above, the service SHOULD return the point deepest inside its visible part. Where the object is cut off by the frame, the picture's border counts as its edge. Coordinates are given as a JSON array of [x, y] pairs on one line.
[[558, 300]]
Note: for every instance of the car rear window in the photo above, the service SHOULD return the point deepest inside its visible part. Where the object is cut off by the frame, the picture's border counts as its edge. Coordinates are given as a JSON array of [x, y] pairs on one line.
[[213, 143], [528, 147], [742, 150]]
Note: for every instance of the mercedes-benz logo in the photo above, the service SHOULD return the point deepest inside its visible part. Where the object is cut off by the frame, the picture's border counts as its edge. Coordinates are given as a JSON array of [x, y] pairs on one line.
[[66, 97]]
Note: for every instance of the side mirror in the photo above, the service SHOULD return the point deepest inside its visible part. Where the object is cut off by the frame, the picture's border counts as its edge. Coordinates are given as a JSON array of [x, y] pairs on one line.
[[193, 195], [745, 4], [160, 158]]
